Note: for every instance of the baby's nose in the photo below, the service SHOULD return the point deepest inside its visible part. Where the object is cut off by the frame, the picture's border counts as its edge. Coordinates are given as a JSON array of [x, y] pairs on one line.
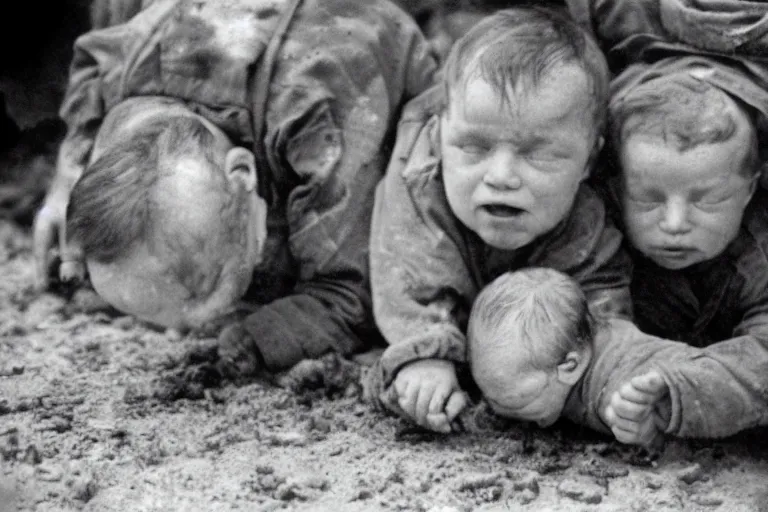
[[675, 219], [503, 171]]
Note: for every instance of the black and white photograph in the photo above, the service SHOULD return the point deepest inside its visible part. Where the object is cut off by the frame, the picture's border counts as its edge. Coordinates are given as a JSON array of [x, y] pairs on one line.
[[384, 256]]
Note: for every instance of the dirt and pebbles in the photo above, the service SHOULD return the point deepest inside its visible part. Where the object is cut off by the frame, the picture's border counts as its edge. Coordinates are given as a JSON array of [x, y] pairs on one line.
[[96, 415]]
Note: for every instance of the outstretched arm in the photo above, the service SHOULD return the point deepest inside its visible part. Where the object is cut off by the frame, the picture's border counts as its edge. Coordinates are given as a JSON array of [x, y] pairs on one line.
[[329, 308], [642, 382], [336, 151], [96, 54], [638, 413], [421, 286], [720, 389], [50, 220]]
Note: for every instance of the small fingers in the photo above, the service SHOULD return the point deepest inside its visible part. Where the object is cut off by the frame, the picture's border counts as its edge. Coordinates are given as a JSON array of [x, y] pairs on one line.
[[645, 432], [423, 388], [72, 271], [624, 436], [407, 397], [439, 398], [629, 392], [401, 384], [629, 426], [614, 420], [43, 236], [438, 422], [425, 396], [651, 383], [456, 403], [631, 411]]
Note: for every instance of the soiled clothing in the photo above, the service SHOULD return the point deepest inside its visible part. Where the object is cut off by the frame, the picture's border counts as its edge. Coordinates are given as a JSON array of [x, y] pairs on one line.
[[627, 28], [712, 390], [719, 305], [427, 267], [107, 13], [342, 71], [721, 42]]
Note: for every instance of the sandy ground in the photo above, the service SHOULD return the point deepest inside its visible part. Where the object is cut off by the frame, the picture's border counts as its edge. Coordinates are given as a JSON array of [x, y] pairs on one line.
[[94, 417]]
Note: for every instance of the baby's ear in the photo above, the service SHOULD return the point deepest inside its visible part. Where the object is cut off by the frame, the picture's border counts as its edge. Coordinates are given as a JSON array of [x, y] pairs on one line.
[[573, 366], [240, 168]]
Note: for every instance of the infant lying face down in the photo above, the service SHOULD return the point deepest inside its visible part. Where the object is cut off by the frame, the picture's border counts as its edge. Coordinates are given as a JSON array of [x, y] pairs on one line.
[[531, 344]]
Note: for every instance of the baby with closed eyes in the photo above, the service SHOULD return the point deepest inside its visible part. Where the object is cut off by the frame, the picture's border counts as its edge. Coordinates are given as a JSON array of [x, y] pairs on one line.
[[687, 188]]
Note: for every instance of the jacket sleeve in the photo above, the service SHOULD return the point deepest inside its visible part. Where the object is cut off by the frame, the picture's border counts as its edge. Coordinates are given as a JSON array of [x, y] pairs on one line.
[[97, 55], [714, 392], [620, 351], [613, 21], [724, 388], [339, 154], [422, 289], [719, 390], [329, 218], [108, 13], [96, 83], [724, 27]]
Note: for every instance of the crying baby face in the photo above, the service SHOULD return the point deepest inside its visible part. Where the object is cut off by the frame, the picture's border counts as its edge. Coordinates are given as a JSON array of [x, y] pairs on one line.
[[513, 163]]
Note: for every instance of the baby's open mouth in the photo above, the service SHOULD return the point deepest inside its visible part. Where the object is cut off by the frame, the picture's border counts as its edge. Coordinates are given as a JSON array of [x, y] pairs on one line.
[[502, 210], [674, 250]]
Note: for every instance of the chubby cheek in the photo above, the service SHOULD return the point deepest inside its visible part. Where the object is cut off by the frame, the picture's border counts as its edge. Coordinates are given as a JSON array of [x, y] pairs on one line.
[[459, 191], [556, 198], [720, 234], [639, 226]]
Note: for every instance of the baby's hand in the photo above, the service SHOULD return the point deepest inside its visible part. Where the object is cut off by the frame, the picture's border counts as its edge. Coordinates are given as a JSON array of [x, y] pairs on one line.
[[633, 413], [238, 354], [47, 230], [429, 393]]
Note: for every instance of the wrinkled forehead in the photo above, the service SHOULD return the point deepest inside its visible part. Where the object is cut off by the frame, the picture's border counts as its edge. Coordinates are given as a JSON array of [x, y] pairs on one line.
[[524, 81], [559, 95]]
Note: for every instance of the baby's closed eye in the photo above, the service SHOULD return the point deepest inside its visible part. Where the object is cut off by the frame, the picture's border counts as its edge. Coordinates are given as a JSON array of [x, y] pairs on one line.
[[712, 199]]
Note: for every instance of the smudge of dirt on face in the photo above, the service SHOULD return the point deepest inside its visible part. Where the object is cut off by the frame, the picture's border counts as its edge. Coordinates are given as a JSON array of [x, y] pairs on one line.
[[99, 412]]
